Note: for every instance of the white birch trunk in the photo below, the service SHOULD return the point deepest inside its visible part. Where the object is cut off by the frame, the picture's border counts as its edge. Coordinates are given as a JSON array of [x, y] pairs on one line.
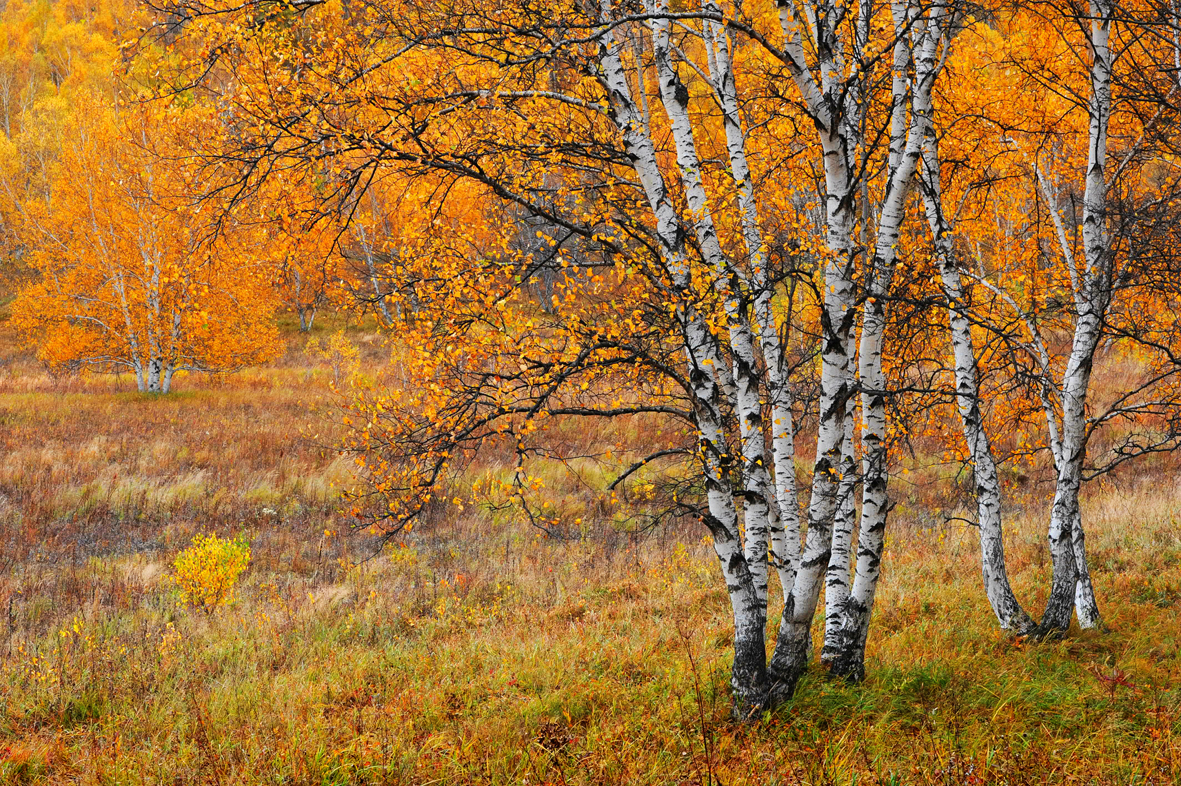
[[905, 149], [155, 371], [748, 679], [1071, 586], [837, 577], [838, 142], [1071, 577], [785, 531], [132, 335], [997, 588], [728, 279], [379, 295], [1086, 606], [794, 643], [174, 342], [999, 592]]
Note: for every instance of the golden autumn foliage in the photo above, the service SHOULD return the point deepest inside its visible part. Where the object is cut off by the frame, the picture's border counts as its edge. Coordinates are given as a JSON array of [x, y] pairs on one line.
[[602, 267], [206, 572], [1015, 143], [53, 57], [130, 277], [305, 270], [521, 261]]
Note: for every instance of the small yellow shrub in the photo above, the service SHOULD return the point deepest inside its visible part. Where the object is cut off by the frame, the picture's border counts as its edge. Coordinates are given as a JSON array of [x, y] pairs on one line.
[[207, 570], [341, 355]]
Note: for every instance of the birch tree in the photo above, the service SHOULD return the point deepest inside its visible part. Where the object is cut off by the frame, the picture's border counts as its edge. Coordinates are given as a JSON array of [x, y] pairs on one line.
[[1110, 264], [998, 590], [637, 194], [827, 52], [653, 148], [124, 280], [1099, 264]]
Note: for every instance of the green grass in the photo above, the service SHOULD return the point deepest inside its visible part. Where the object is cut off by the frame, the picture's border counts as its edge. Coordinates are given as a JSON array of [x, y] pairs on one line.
[[480, 651], [585, 666]]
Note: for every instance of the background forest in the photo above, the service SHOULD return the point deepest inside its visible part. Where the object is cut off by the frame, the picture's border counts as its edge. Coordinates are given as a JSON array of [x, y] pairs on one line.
[[469, 392]]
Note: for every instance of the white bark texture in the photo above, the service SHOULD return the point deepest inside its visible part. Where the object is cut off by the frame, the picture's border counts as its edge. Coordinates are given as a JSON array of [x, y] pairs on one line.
[[918, 37], [1071, 588], [838, 576], [827, 101], [785, 527], [748, 675], [997, 588], [756, 492], [1004, 603]]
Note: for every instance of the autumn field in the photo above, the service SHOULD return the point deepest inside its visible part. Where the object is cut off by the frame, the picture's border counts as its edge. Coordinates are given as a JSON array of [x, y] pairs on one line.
[[479, 650], [502, 392]]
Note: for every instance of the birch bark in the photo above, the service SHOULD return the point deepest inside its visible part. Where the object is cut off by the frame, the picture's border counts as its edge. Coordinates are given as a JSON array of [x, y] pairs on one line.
[[997, 588], [840, 562], [1071, 587], [1004, 603], [729, 280], [749, 684], [917, 39], [825, 98], [785, 529]]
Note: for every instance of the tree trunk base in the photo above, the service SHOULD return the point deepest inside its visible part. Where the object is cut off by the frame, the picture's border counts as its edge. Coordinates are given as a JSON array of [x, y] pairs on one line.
[[788, 664], [1048, 631], [1020, 624], [849, 665]]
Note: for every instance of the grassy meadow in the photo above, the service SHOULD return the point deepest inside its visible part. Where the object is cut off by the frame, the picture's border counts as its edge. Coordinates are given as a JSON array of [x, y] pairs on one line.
[[478, 650]]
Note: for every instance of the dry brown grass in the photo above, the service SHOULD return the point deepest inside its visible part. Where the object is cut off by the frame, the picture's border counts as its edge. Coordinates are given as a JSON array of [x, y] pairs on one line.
[[480, 651]]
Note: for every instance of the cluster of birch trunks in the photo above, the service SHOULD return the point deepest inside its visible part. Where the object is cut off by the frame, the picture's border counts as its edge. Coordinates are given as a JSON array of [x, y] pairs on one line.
[[651, 68], [814, 549]]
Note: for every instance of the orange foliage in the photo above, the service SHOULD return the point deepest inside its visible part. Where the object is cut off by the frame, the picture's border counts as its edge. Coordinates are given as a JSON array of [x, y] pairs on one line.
[[129, 279]]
